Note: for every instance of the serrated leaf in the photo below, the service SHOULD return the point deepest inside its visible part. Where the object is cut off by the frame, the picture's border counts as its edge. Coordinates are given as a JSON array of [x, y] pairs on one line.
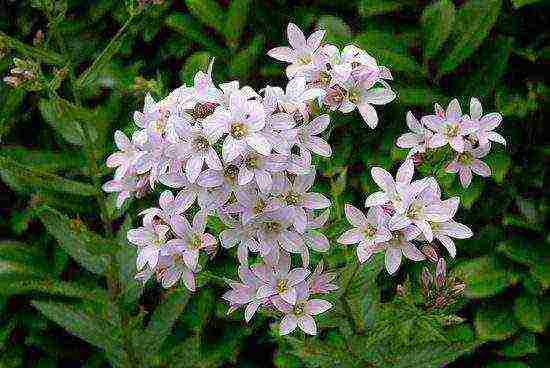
[[208, 12], [337, 31], [437, 23], [528, 312], [85, 248], [494, 322], [89, 322], [187, 27], [473, 22], [485, 276], [237, 15], [524, 344], [27, 179], [241, 63]]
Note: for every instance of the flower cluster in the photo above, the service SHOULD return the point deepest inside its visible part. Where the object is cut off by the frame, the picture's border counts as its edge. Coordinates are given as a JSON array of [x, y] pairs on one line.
[[469, 136], [402, 216], [246, 158]]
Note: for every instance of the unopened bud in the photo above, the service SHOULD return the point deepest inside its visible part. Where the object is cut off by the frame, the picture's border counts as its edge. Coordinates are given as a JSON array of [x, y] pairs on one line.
[[401, 291], [430, 253], [440, 273], [427, 278]]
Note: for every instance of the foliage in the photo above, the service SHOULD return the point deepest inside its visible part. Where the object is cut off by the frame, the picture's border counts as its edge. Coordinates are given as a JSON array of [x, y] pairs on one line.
[[67, 292]]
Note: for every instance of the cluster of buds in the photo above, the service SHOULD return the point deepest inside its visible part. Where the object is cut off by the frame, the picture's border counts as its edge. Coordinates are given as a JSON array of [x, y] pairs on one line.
[[469, 136], [25, 74], [246, 158], [402, 216], [439, 290]]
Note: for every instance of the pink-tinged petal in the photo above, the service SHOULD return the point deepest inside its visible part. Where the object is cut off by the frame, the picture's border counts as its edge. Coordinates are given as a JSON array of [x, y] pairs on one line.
[[291, 242], [259, 143], [495, 137], [364, 253], [412, 253], [398, 222], [317, 241], [380, 96], [453, 167], [302, 183], [182, 228], [452, 204], [289, 296], [426, 229], [307, 324], [433, 122], [490, 121], [112, 186], [383, 179], [314, 39], [189, 280], [264, 180], [368, 113], [296, 37], [122, 141], [405, 172], [232, 149], [242, 254], [437, 140], [297, 275], [475, 109], [392, 259], [318, 146], [449, 244], [213, 160], [265, 291], [457, 143], [408, 140], [317, 306], [250, 310], [210, 179], [283, 54], [438, 213], [355, 216], [376, 199], [116, 159], [191, 258], [413, 123], [465, 177], [315, 201], [281, 305], [454, 112], [351, 236], [263, 272], [166, 199], [170, 278], [245, 175], [455, 230], [288, 324], [299, 220], [121, 198], [318, 125], [480, 168]]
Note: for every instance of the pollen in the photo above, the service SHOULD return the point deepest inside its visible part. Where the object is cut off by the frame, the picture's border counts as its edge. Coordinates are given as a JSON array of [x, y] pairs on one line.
[[238, 130]]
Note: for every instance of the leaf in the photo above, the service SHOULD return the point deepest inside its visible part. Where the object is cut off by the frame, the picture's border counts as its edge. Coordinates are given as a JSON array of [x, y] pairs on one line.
[[520, 3], [164, 317], [237, 15], [84, 247], [473, 22], [525, 344], [528, 311], [65, 119], [27, 179], [417, 96], [437, 22], [494, 322], [39, 53], [208, 12], [48, 161], [337, 31], [88, 321], [194, 63], [485, 276], [53, 287], [500, 163], [398, 62], [187, 27], [369, 8], [19, 261], [535, 256], [241, 63]]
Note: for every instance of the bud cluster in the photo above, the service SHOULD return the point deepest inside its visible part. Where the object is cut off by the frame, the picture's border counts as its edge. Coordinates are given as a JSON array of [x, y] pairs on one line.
[[25, 74], [439, 290]]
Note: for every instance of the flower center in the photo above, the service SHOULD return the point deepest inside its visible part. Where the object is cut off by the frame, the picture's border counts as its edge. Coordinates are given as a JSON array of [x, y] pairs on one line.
[[177, 259], [238, 130], [299, 309], [354, 96], [282, 286], [231, 172], [324, 78], [201, 144], [195, 242], [304, 60], [272, 226], [202, 110], [292, 199], [259, 207], [465, 158], [370, 231], [252, 162], [414, 212], [452, 130]]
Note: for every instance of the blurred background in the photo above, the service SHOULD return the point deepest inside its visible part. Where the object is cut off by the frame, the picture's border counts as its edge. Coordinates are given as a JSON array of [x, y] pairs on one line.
[[54, 142]]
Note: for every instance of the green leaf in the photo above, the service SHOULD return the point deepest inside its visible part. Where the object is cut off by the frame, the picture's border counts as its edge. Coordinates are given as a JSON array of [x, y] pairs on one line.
[[194, 63], [84, 247], [164, 317], [473, 22], [27, 179], [39, 53], [369, 8], [536, 256], [19, 261], [48, 161], [520, 3], [187, 27], [237, 16], [417, 96], [398, 62], [437, 23], [500, 163], [525, 344], [485, 276], [91, 322], [208, 12], [53, 287], [494, 322], [242, 63], [337, 31], [528, 311]]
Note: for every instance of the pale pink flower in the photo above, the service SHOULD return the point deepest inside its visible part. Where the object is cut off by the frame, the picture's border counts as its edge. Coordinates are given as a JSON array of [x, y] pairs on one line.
[[258, 168], [469, 161], [176, 269], [237, 234], [280, 132], [309, 141], [301, 314], [222, 183], [485, 124], [417, 140], [368, 231], [170, 208], [189, 192], [124, 159], [124, 187], [154, 159], [400, 245], [321, 282], [149, 239], [275, 233], [296, 97], [244, 293], [255, 204], [300, 52], [451, 229]]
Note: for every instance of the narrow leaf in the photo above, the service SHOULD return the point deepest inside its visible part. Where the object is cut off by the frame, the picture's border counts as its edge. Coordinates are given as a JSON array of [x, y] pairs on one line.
[[208, 12], [237, 16], [437, 23], [187, 27]]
